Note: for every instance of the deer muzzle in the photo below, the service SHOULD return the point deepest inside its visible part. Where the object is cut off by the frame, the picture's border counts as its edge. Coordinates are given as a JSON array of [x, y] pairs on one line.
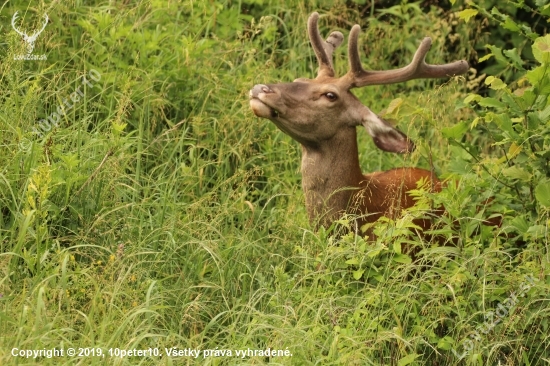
[[258, 104]]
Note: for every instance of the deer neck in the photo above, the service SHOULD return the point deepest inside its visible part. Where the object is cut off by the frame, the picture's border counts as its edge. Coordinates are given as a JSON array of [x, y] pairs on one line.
[[331, 175]]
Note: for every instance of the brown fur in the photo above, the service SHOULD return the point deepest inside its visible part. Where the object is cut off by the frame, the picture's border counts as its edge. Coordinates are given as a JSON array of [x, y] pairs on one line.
[[334, 189]]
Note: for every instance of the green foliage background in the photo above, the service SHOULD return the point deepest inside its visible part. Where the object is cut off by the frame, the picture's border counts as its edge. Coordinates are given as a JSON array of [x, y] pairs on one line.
[[161, 212]]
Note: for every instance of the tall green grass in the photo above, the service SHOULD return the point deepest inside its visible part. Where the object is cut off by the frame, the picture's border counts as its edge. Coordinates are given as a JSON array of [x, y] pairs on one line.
[[162, 213]]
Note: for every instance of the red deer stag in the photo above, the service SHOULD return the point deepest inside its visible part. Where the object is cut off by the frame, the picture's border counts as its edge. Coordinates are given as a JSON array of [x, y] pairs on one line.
[[322, 115]]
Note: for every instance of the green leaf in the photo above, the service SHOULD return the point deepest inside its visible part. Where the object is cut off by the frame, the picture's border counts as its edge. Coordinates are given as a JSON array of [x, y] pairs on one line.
[[467, 14], [541, 49], [513, 55], [514, 150], [491, 102], [353, 261], [528, 32], [511, 102], [539, 77], [445, 343], [358, 274], [496, 12], [540, 102], [497, 52], [520, 223], [486, 57], [544, 115], [495, 83], [455, 132], [472, 97], [537, 231], [394, 105], [536, 75], [542, 193], [510, 25], [527, 99], [407, 359], [504, 122], [533, 120], [402, 258], [515, 172], [544, 86]]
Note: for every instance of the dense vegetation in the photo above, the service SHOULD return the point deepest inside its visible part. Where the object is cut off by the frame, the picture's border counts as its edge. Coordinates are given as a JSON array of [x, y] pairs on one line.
[[154, 210]]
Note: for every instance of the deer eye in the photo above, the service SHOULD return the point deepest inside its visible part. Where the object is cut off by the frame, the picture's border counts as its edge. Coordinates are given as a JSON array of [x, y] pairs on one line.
[[331, 96]]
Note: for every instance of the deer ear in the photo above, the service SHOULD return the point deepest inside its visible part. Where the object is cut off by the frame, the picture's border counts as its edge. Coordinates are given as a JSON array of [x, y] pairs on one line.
[[385, 136]]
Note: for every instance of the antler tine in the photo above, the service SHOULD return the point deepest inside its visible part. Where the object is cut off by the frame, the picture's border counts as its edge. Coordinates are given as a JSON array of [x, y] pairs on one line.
[[323, 49], [35, 34], [417, 69], [46, 19], [334, 40], [355, 67], [13, 19]]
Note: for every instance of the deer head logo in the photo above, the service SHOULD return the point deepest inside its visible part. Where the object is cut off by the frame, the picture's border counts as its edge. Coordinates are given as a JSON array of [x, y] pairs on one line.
[[29, 39]]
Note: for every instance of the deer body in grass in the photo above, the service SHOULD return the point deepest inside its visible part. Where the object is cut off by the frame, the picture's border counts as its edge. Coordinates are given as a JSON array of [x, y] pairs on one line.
[[322, 114]]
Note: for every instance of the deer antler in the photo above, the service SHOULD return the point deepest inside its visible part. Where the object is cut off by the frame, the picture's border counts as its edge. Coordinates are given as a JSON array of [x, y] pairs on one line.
[[35, 34], [29, 39], [323, 49], [13, 19], [418, 68]]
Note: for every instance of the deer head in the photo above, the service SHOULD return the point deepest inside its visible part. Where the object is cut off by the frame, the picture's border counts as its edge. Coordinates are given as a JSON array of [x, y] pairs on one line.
[[29, 39], [322, 115]]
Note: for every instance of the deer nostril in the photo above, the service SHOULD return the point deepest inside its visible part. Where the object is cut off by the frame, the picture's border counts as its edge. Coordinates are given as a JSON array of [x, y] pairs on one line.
[[260, 88]]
